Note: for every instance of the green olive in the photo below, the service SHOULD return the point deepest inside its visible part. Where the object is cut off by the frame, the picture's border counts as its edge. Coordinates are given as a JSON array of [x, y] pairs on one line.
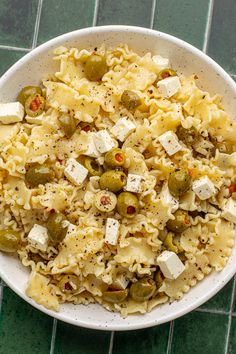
[[179, 182], [159, 278], [169, 244], [127, 204], [9, 240], [180, 223], [68, 124], [56, 230], [69, 284], [130, 100], [105, 201], [163, 74], [93, 167], [187, 136], [95, 67], [115, 157], [28, 91], [115, 296], [143, 289], [34, 105], [39, 174], [113, 180]]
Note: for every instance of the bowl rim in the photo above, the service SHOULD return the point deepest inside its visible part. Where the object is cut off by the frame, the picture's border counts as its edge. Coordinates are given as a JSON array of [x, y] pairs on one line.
[[197, 52]]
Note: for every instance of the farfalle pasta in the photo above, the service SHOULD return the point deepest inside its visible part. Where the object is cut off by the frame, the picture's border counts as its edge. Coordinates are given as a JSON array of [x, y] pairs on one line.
[[117, 181]]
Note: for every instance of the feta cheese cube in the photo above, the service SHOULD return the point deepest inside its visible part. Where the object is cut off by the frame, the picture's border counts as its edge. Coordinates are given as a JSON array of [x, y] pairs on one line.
[[123, 128], [91, 149], [75, 172], [112, 231], [12, 112], [170, 142], [133, 183], [103, 141], [229, 212], [168, 199], [161, 61], [38, 237], [169, 86], [170, 264], [203, 188], [35, 120]]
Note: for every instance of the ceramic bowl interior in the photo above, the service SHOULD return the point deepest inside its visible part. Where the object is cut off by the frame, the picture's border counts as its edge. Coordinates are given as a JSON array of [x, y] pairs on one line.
[[187, 60]]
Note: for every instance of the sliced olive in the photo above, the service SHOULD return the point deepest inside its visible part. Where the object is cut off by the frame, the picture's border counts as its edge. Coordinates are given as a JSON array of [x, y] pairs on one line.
[[39, 174], [127, 204], [34, 105], [68, 124], [93, 166], [187, 136], [105, 201], [56, 229], [130, 100], [115, 157], [165, 73], [180, 223], [168, 243], [95, 67], [69, 284], [28, 91], [143, 289], [159, 278], [9, 240], [113, 180], [179, 182], [115, 296]]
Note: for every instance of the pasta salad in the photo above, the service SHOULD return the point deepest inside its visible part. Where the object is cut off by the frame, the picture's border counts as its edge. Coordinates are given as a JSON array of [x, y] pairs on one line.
[[118, 181]]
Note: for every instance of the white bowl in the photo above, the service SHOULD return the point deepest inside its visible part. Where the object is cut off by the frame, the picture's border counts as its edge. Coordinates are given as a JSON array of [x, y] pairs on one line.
[[187, 60]]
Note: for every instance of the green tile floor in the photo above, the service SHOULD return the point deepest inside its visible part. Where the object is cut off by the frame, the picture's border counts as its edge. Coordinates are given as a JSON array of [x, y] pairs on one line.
[[208, 24]]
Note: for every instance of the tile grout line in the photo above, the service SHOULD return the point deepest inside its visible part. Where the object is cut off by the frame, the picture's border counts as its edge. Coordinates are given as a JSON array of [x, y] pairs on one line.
[[53, 338], [230, 317], [152, 13], [170, 337], [111, 342], [208, 26], [8, 47], [37, 22], [215, 312], [95, 14]]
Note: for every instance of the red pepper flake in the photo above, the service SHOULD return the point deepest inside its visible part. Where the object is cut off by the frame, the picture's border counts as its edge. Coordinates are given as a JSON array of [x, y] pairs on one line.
[[119, 157], [86, 128], [60, 161], [35, 104], [232, 188], [190, 172], [131, 209], [187, 222]]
